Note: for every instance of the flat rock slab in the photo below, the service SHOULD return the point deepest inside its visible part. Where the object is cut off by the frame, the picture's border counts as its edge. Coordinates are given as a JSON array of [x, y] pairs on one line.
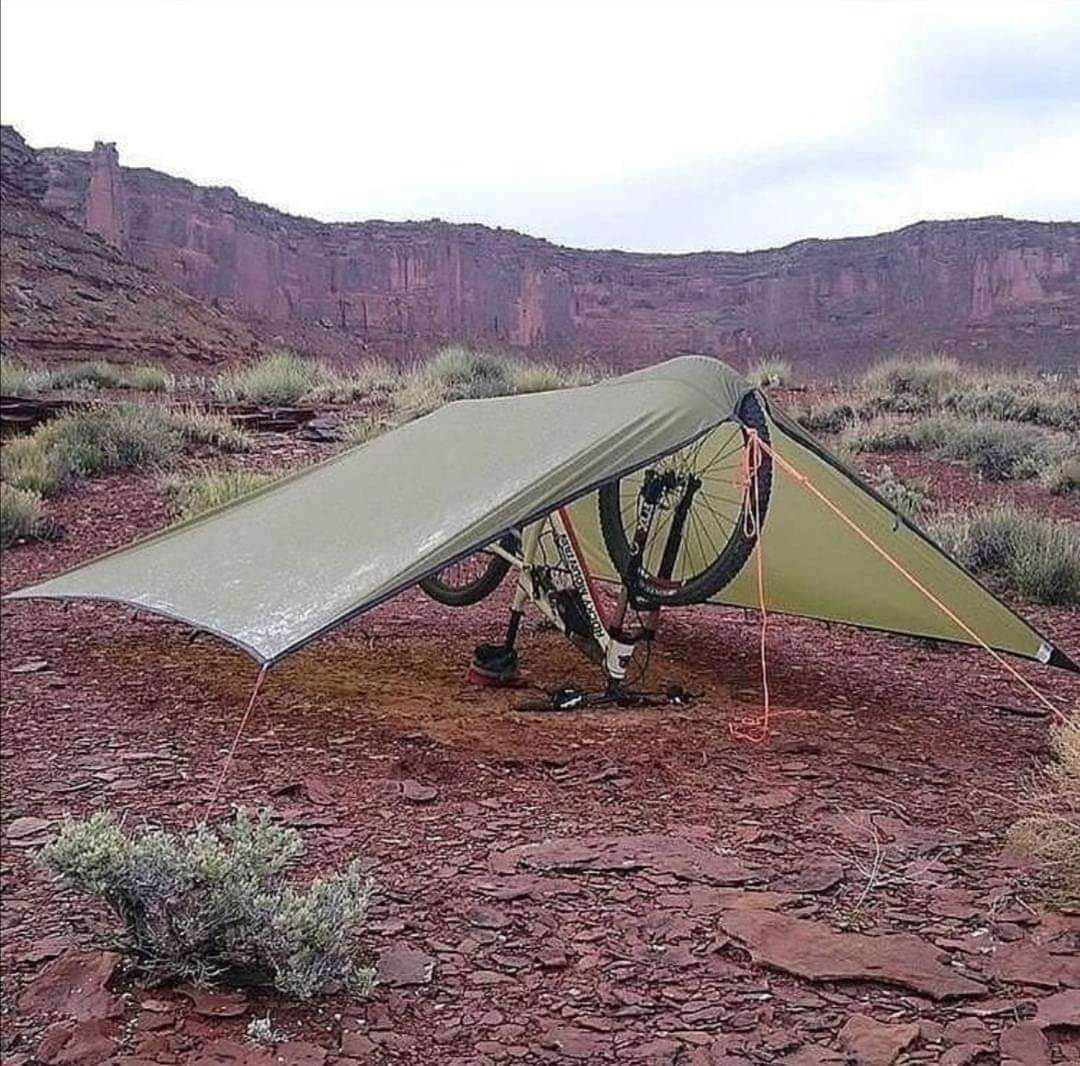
[[212, 1004], [403, 966], [85, 1043], [874, 1043], [1023, 962], [654, 853], [75, 985], [1059, 1011], [818, 953]]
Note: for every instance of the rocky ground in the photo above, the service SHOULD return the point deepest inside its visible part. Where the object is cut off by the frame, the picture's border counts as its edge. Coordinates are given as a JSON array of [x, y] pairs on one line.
[[637, 886]]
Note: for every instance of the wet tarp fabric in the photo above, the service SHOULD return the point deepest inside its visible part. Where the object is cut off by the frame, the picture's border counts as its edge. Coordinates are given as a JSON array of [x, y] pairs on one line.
[[275, 569]]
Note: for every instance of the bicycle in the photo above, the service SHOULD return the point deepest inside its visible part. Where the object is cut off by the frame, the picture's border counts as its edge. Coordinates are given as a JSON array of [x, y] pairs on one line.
[[660, 527]]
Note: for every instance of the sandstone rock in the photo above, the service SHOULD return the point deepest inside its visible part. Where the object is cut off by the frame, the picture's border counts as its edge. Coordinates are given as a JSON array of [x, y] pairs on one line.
[[815, 951], [1059, 1010], [402, 966], [415, 792], [968, 1031], [576, 1043], [653, 852], [1025, 1045], [299, 1053], [874, 1043], [75, 985], [230, 1053], [1027, 963], [82, 1043], [215, 1004]]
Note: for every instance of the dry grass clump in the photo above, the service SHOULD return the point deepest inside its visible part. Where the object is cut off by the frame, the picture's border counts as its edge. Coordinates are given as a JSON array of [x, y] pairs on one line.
[[1050, 830], [925, 380], [199, 426], [279, 377], [910, 496], [770, 372], [22, 515], [1062, 477], [212, 487], [18, 379], [217, 903], [1025, 553]]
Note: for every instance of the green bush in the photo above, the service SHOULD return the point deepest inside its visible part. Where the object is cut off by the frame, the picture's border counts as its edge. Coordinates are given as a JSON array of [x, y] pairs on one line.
[[1011, 398], [1062, 477], [1034, 556], [17, 379], [22, 514], [216, 903], [546, 377], [828, 417], [770, 372], [925, 380], [211, 488], [198, 426], [280, 377], [909, 497], [1049, 831], [30, 465]]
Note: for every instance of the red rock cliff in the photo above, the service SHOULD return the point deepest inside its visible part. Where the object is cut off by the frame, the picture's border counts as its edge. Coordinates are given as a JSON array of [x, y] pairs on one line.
[[993, 288]]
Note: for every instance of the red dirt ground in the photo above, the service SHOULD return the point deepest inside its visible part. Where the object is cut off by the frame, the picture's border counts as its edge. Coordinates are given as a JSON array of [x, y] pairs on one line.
[[877, 805]]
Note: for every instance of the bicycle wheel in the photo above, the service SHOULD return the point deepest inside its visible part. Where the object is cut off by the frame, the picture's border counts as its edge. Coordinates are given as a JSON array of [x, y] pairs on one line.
[[467, 581], [702, 534]]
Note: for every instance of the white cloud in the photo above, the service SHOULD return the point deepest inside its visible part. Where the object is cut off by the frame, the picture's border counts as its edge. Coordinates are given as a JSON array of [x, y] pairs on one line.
[[660, 125]]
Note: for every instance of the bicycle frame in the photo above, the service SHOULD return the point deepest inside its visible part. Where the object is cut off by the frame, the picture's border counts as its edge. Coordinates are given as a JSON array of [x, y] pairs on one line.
[[577, 612]]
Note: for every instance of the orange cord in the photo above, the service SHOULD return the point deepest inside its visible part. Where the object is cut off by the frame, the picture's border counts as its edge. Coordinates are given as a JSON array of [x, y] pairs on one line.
[[801, 479], [236, 740]]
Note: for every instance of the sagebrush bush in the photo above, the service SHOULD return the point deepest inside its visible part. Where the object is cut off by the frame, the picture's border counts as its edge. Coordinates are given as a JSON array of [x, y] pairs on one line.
[[766, 372], [194, 494], [279, 377], [828, 417], [22, 514], [17, 379], [1049, 831], [199, 426], [216, 904], [1062, 477], [30, 465], [1012, 398], [547, 377], [927, 379], [1035, 556], [909, 496]]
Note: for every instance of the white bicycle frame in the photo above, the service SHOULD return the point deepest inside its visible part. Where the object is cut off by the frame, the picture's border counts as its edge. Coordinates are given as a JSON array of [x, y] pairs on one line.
[[606, 640]]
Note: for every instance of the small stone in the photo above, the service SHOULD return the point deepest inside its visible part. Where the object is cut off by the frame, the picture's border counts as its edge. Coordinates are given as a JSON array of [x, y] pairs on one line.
[[968, 1031], [1025, 1044], [415, 792], [403, 966]]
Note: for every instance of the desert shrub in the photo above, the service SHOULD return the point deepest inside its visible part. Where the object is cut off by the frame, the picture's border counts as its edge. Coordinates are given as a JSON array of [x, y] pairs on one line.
[[113, 437], [925, 380], [1062, 476], [373, 379], [361, 430], [1000, 451], [105, 438], [1049, 831], [17, 379], [147, 378], [464, 374], [546, 377], [216, 903], [279, 377], [1035, 556], [211, 487], [909, 496], [30, 465], [1012, 398], [21, 514], [828, 417], [766, 372], [198, 426]]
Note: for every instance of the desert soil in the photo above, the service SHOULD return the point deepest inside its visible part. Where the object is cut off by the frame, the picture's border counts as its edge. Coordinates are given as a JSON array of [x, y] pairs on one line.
[[634, 886]]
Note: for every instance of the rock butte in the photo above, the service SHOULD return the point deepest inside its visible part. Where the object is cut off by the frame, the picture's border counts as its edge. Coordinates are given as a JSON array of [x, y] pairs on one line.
[[988, 288]]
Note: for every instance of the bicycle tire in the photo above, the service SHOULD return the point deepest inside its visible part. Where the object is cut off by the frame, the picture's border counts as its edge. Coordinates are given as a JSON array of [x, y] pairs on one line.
[[729, 560], [467, 593]]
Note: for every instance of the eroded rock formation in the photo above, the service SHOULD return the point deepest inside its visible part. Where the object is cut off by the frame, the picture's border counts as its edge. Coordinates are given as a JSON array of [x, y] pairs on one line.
[[992, 288]]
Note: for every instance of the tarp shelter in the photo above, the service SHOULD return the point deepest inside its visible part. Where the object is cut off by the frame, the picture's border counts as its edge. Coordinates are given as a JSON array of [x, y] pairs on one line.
[[272, 571]]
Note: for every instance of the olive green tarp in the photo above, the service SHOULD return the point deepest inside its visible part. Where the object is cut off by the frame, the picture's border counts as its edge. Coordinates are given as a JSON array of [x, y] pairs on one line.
[[275, 569]]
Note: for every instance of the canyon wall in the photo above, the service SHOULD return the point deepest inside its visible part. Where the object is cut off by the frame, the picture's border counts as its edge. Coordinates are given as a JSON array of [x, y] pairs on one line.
[[994, 289]]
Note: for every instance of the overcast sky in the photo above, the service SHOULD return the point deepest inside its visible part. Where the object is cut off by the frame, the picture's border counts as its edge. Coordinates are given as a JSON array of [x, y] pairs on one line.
[[665, 126]]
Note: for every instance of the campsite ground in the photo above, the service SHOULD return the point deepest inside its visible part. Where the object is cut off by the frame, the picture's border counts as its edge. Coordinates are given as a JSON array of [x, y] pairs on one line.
[[701, 898]]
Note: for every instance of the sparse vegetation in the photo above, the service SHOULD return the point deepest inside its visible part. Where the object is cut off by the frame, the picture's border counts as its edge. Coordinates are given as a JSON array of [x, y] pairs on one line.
[[18, 379], [770, 372], [828, 417], [1000, 451], [909, 497], [107, 438], [1062, 477], [212, 487], [21, 515], [546, 377], [911, 383], [1035, 556], [216, 904], [1050, 829], [280, 377], [361, 430]]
